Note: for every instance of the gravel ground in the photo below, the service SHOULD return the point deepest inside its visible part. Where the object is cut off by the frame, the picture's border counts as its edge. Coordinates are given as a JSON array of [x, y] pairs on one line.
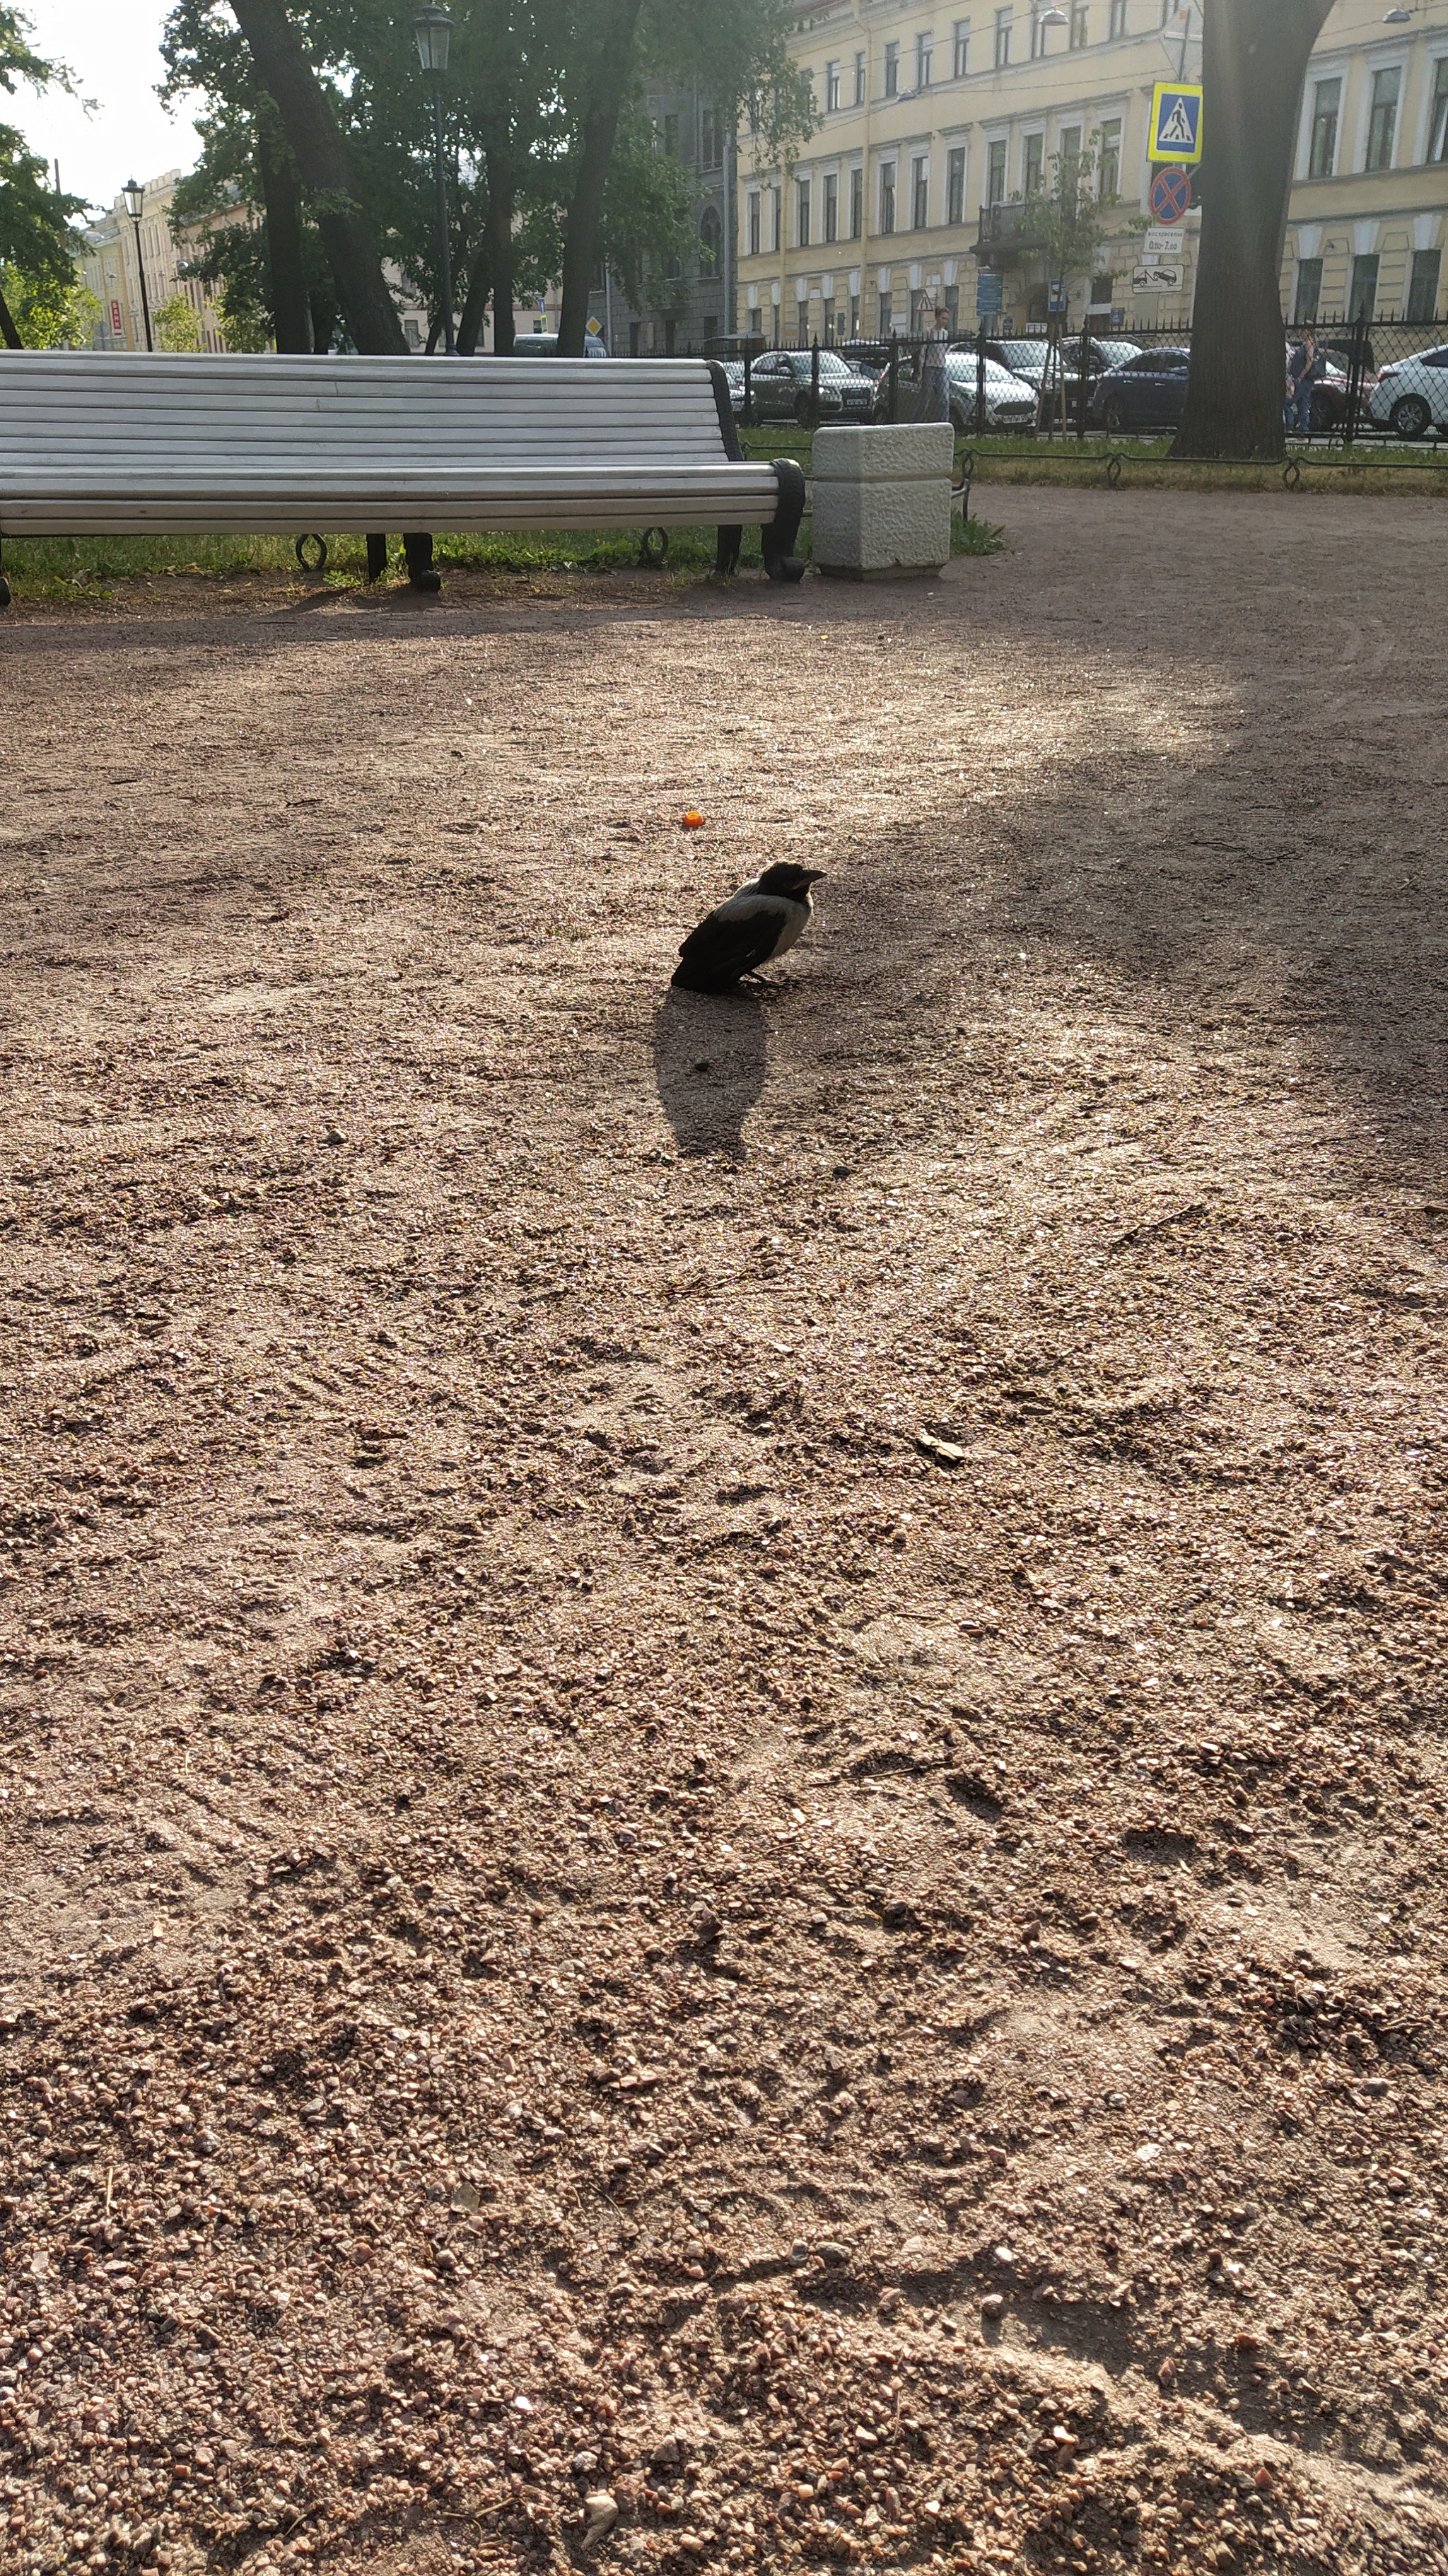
[[723, 1776]]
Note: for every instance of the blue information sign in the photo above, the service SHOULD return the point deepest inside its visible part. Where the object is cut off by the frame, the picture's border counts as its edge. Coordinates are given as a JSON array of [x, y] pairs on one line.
[[988, 293]]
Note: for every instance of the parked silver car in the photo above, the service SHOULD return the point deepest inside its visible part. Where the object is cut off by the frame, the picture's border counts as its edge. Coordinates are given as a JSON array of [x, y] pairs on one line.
[[1411, 394], [1010, 403]]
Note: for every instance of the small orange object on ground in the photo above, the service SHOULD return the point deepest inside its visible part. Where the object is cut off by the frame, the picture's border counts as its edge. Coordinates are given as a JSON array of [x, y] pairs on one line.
[[693, 820]]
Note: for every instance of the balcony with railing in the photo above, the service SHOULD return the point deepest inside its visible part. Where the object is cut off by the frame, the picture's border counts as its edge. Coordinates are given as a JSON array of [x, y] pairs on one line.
[[1010, 234]]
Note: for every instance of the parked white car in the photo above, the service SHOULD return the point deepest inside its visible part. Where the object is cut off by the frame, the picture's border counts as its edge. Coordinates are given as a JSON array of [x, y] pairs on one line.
[[1411, 395], [1010, 403]]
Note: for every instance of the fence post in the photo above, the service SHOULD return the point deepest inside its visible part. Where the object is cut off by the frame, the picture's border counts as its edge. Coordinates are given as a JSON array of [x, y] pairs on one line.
[[748, 389], [979, 380], [894, 376], [1356, 364], [814, 382], [1081, 379]]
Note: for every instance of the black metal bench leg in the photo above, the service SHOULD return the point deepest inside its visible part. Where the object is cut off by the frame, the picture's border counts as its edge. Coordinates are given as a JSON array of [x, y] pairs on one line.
[[420, 573], [726, 559], [376, 558], [780, 561], [4, 591]]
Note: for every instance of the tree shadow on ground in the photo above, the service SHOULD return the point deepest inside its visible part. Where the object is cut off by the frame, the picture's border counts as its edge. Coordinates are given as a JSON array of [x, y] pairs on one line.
[[710, 1059]]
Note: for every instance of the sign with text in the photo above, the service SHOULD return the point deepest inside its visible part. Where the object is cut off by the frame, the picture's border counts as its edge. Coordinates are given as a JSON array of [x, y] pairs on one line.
[[988, 293]]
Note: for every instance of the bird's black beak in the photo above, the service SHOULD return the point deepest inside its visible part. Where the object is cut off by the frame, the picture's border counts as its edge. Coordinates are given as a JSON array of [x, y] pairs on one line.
[[816, 876]]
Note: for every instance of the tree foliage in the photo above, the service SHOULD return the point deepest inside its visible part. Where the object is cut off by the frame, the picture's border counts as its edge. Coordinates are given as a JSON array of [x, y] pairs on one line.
[[38, 240], [50, 312], [550, 160]]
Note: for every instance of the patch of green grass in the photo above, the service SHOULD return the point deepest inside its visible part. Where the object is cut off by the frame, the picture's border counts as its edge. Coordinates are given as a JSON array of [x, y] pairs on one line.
[[67, 568], [976, 537]]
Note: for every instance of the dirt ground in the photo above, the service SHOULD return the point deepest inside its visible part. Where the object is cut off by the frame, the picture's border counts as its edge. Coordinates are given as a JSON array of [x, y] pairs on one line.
[[722, 1721]]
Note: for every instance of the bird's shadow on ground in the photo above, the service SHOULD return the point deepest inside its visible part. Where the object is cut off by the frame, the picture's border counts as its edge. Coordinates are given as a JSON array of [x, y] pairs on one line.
[[710, 1058]]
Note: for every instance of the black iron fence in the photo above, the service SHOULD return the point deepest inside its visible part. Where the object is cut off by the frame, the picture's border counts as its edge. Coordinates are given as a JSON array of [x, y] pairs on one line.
[[1072, 381]]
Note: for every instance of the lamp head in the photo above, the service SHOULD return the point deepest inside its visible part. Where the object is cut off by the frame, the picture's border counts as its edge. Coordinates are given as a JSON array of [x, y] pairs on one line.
[[433, 30], [1398, 18], [135, 197], [1052, 18]]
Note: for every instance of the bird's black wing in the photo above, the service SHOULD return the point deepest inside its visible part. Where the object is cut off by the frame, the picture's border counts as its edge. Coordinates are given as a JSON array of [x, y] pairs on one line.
[[731, 942]]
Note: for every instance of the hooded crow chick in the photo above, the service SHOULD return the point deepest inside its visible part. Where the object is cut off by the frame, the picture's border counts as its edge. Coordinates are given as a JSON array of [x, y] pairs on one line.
[[761, 921]]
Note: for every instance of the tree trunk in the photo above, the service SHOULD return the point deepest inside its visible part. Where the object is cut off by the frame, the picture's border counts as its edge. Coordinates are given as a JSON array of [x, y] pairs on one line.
[[325, 164], [475, 302], [585, 213], [281, 198], [1254, 62], [8, 332], [500, 242]]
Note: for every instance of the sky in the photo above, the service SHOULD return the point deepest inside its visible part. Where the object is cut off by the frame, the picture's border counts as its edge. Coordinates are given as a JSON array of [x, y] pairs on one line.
[[114, 49]]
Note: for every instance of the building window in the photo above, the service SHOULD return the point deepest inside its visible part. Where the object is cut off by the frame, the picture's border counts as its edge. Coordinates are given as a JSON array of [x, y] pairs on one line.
[[1069, 155], [671, 137], [960, 51], [887, 196], [1309, 290], [832, 208], [711, 141], [955, 185], [892, 71], [857, 204], [751, 321], [1423, 286], [1438, 120], [755, 233], [1033, 164], [776, 220], [924, 61], [1038, 34], [801, 215], [1116, 20], [1078, 27], [832, 87], [854, 317], [1363, 296], [711, 243], [859, 80], [886, 312], [1002, 39], [919, 193], [1326, 103], [996, 174], [1109, 159], [1383, 120]]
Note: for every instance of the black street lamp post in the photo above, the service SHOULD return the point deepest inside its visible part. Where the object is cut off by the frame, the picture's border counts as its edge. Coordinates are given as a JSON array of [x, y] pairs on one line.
[[433, 29], [135, 198]]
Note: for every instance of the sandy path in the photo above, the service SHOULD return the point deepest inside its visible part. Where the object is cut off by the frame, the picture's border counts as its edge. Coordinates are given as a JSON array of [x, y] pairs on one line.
[[722, 1722]]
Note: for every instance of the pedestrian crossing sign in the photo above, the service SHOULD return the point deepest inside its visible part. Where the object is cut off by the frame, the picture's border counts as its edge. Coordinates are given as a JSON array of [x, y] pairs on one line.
[[1176, 122]]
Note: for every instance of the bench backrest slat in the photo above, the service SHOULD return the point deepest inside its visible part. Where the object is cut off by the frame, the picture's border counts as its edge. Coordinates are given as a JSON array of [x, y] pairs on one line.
[[64, 409]]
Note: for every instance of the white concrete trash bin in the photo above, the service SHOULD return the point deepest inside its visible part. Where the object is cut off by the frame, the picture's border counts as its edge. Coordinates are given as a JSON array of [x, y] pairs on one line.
[[882, 499]]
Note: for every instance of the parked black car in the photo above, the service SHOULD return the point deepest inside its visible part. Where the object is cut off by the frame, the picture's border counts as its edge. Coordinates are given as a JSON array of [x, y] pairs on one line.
[[1146, 393], [867, 357], [779, 386]]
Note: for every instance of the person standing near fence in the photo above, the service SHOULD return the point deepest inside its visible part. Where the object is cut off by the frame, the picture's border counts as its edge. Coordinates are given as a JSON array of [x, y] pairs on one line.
[[1303, 370], [934, 382]]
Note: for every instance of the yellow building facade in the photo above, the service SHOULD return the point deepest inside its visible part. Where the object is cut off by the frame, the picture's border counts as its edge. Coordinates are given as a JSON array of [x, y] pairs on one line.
[[1368, 230], [108, 266], [940, 128]]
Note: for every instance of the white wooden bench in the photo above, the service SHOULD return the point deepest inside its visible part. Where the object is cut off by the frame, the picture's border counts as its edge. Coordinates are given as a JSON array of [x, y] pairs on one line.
[[94, 445]]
